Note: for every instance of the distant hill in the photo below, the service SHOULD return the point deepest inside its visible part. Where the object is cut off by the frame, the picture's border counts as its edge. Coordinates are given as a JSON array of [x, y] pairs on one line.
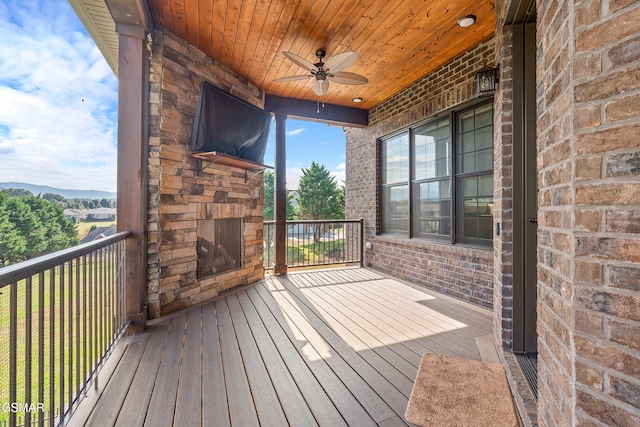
[[67, 194]]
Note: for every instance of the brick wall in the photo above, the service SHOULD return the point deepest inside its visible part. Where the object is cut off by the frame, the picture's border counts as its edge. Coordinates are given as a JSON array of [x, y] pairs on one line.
[[179, 195], [555, 257], [589, 201], [460, 271]]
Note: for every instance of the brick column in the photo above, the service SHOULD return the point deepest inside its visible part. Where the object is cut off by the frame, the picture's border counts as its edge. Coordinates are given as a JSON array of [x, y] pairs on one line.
[[589, 182]]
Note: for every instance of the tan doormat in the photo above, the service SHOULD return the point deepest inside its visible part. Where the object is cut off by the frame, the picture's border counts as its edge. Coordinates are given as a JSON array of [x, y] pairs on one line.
[[451, 391]]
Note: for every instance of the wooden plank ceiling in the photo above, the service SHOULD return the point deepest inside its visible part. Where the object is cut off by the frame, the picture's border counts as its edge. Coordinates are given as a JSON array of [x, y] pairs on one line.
[[397, 41]]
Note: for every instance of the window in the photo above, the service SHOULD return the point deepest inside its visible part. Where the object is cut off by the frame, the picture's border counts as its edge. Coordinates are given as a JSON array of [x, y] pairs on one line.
[[474, 174], [437, 178], [432, 179], [395, 187]]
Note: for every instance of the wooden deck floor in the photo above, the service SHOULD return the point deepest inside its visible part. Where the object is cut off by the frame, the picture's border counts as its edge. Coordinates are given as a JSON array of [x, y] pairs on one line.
[[328, 348]]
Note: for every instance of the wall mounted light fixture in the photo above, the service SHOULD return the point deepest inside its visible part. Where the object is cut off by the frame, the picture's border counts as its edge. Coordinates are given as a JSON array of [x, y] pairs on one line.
[[486, 81]]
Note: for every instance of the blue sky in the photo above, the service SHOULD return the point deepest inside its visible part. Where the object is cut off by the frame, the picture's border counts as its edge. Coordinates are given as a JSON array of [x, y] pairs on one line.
[[310, 141], [58, 106]]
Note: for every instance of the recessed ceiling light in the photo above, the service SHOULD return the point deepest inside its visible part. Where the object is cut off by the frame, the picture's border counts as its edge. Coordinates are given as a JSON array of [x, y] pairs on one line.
[[467, 21], [357, 99]]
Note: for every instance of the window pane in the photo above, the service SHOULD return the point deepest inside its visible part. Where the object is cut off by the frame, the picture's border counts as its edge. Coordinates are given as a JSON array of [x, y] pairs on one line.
[[395, 209], [468, 142], [432, 208], [484, 138], [477, 208], [475, 139], [484, 160], [431, 150], [470, 187], [395, 160], [444, 129], [485, 185], [484, 115], [467, 122], [468, 163]]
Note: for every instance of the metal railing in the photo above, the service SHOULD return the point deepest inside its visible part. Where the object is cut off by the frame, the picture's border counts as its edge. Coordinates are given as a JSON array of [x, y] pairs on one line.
[[60, 315], [317, 243]]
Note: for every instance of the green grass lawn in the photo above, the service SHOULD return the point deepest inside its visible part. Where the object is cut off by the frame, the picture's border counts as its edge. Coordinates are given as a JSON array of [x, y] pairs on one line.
[[299, 254], [68, 347]]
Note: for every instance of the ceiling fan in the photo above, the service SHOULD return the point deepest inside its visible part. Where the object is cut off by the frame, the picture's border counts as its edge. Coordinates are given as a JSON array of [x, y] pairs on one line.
[[325, 72]]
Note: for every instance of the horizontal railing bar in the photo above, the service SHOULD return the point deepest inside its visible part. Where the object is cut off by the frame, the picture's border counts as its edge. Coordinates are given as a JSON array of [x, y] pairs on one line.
[[316, 221], [24, 269]]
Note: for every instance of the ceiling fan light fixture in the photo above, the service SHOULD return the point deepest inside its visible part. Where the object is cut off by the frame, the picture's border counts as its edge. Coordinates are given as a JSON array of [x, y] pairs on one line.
[[467, 21], [320, 87]]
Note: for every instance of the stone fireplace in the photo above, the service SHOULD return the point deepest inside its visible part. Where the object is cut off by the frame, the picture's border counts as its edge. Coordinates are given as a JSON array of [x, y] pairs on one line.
[[205, 218]]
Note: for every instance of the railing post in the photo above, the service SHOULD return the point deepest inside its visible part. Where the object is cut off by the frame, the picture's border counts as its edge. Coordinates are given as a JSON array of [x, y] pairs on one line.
[[361, 246], [280, 267]]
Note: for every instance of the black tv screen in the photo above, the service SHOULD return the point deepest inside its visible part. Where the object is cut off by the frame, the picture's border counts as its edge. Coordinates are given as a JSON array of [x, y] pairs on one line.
[[229, 125]]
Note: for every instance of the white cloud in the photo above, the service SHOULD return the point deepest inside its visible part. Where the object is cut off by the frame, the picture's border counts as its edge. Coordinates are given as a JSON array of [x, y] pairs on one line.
[[58, 113], [340, 174], [293, 177], [295, 132]]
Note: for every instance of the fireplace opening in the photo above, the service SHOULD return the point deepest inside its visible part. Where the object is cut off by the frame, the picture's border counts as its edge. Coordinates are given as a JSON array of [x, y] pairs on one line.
[[219, 246]]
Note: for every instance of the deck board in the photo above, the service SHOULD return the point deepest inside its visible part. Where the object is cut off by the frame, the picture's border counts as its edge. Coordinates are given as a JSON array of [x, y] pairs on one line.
[[292, 400], [317, 360], [112, 399], [347, 343], [317, 396], [215, 411], [241, 407], [345, 362], [329, 348], [188, 403], [139, 394], [270, 413], [163, 396]]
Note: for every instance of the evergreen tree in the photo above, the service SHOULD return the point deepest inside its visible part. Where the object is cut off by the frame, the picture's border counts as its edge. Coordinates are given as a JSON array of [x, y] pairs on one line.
[[17, 192], [12, 244], [318, 194], [269, 199], [53, 197], [32, 226], [319, 197], [29, 226]]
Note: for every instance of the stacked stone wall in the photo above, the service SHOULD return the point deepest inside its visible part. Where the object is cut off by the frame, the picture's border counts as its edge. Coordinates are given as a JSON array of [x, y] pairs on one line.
[[183, 190]]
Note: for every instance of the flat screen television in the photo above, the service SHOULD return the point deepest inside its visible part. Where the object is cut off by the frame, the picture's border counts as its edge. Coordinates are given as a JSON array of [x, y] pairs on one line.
[[229, 125]]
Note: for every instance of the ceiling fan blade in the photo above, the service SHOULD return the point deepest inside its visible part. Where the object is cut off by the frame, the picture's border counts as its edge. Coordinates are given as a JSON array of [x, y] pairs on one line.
[[340, 61], [291, 78], [320, 87], [347, 78], [300, 61]]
